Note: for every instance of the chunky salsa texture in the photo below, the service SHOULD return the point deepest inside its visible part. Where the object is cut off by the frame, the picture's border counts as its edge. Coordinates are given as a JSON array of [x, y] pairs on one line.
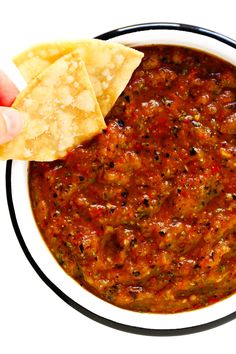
[[144, 215]]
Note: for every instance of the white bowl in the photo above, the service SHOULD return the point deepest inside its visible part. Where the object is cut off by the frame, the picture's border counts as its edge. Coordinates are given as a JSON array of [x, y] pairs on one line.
[[42, 260]]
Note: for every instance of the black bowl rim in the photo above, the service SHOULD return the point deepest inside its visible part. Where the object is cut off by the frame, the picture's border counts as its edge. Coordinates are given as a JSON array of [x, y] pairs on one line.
[[92, 315]]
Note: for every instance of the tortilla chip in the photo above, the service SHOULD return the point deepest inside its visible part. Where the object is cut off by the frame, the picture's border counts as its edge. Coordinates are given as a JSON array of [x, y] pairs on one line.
[[34, 60], [109, 65], [61, 112]]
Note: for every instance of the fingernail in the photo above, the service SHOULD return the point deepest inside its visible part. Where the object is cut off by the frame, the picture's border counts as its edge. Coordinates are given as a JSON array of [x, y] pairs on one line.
[[13, 122]]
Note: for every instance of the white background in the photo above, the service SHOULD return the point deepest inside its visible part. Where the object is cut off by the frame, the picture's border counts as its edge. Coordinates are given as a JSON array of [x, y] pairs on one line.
[[32, 318]]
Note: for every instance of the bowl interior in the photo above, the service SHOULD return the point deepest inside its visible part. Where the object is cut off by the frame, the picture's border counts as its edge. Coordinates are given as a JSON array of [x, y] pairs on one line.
[[181, 38]]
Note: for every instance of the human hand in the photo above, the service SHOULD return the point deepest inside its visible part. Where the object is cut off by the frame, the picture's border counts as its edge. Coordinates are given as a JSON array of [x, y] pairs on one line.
[[11, 121]]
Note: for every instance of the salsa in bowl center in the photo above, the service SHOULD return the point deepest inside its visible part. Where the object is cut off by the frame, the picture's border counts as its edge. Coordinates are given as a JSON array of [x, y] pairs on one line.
[[143, 216]]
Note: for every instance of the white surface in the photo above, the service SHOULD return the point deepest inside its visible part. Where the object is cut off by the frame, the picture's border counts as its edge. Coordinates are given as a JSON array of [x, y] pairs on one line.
[[32, 318]]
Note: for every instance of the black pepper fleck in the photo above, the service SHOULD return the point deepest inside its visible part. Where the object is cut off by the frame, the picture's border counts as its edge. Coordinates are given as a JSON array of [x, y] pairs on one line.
[[124, 194], [133, 242], [156, 155], [197, 266], [112, 210], [111, 164], [192, 151], [175, 131], [121, 123]]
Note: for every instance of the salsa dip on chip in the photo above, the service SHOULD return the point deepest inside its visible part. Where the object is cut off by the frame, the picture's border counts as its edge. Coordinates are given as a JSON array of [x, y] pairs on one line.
[[144, 214]]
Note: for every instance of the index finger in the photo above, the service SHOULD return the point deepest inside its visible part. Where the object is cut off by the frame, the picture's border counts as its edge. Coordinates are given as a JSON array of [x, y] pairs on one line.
[[8, 90]]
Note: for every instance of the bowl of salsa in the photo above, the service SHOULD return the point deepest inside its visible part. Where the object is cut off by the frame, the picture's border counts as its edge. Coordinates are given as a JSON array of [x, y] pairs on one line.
[[137, 227]]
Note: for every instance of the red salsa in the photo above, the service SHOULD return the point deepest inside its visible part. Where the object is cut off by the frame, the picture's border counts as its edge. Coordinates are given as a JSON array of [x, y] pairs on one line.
[[144, 215]]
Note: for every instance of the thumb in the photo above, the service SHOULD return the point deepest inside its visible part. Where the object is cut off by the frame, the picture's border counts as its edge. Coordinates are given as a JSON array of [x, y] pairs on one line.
[[11, 123]]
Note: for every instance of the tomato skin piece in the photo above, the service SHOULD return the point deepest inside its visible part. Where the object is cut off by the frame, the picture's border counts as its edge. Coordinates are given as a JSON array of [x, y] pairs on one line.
[[215, 169]]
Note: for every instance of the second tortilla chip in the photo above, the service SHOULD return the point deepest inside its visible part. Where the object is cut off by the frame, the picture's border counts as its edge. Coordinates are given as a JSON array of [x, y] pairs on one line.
[[110, 65], [62, 112]]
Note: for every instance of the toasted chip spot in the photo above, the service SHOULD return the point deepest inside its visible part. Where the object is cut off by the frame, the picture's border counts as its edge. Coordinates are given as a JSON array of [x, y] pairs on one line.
[[27, 152], [91, 70], [119, 58], [36, 129], [107, 74], [74, 65], [76, 84], [60, 67], [64, 124], [103, 58], [89, 125], [85, 101], [64, 95], [69, 79], [30, 54], [96, 85], [105, 85], [28, 102], [52, 51], [43, 53]]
